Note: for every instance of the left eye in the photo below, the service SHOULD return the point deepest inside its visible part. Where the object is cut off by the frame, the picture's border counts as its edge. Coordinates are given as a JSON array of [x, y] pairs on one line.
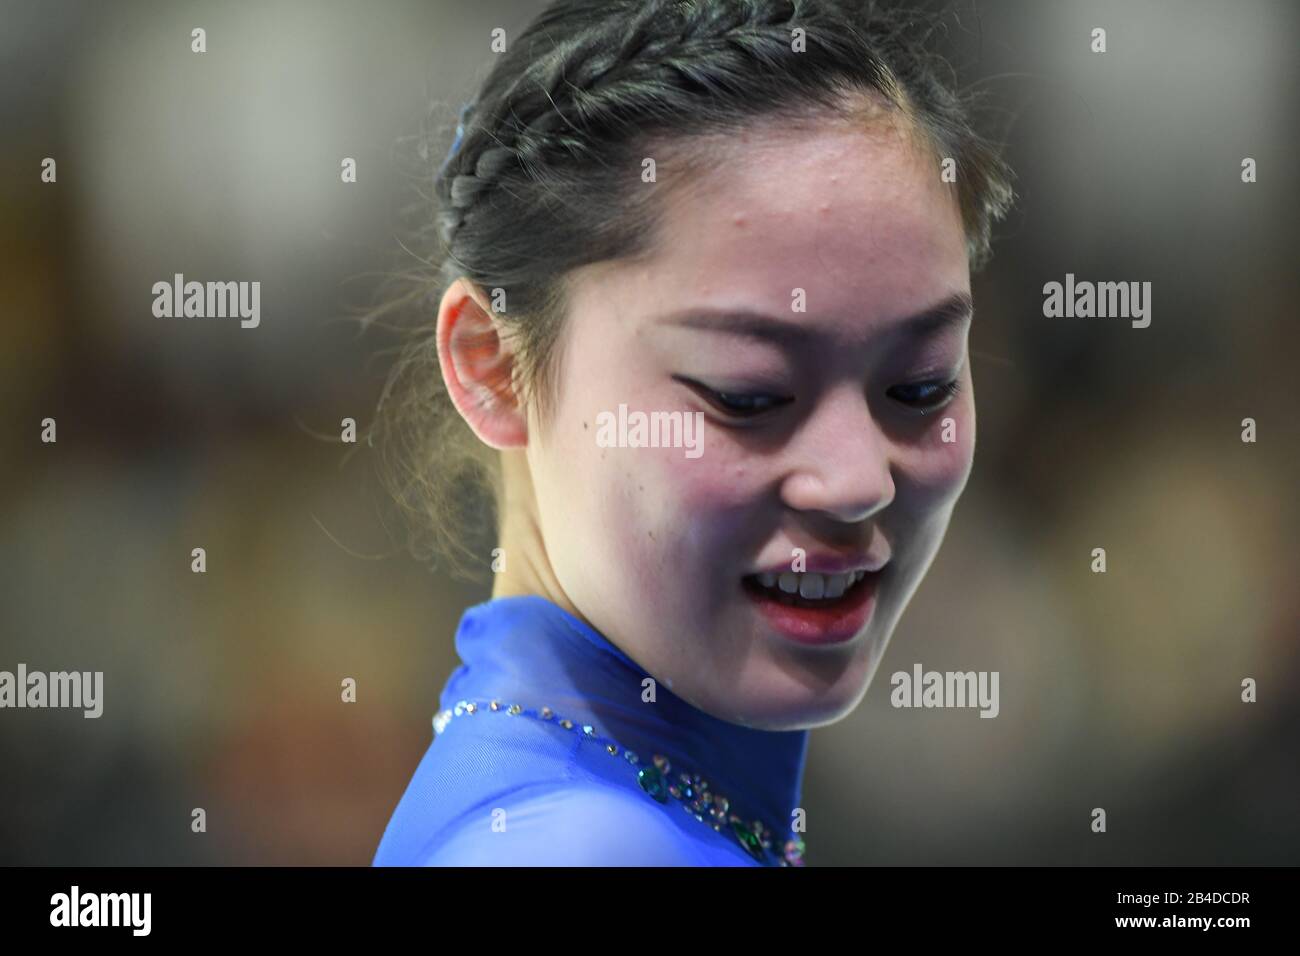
[[736, 404], [925, 395], [751, 404]]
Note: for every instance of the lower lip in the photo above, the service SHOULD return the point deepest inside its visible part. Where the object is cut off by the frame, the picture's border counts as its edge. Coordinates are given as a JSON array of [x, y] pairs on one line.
[[837, 622]]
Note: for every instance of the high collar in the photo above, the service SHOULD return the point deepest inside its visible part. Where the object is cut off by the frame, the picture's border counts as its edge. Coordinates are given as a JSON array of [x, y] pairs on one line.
[[528, 650]]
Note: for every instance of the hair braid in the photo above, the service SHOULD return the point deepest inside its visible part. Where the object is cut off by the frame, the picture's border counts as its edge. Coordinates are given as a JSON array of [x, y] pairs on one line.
[[604, 74]]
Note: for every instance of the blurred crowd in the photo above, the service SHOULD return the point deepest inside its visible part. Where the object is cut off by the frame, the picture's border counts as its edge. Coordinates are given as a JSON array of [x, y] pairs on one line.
[[222, 690]]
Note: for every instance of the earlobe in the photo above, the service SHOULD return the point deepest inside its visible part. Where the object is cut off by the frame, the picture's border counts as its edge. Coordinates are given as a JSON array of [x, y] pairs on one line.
[[478, 367]]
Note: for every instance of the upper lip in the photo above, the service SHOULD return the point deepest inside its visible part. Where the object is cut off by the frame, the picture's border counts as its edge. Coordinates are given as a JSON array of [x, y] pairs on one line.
[[827, 563]]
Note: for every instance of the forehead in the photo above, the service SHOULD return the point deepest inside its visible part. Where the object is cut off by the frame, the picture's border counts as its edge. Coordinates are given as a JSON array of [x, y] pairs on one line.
[[855, 215]]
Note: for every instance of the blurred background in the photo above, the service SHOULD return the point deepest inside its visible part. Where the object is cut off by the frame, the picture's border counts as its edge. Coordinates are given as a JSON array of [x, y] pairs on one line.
[[222, 690]]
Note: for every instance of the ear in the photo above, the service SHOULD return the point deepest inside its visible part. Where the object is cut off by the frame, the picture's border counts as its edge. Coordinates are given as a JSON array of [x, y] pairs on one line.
[[478, 367]]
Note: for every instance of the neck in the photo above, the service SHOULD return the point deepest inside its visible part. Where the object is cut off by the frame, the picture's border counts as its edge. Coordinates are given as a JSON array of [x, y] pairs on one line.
[[528, 568]]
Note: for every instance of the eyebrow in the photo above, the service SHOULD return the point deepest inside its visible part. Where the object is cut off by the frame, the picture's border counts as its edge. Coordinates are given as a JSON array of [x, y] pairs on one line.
[[955, 310]]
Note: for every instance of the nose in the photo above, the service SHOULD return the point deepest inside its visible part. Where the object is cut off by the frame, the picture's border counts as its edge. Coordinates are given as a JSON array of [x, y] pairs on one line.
[[840, 462]]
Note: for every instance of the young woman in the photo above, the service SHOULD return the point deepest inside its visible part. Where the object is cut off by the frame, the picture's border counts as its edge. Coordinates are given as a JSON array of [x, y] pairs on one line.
[[702, 328]]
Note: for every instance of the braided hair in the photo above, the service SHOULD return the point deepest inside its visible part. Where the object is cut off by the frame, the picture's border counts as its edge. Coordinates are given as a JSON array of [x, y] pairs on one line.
[[544, 176]]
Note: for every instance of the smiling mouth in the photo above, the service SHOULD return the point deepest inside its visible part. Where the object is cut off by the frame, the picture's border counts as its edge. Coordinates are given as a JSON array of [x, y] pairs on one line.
[[806, 588]]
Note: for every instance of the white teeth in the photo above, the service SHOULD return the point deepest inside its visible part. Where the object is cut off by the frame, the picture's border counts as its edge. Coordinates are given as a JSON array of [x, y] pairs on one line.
[[811, 585]]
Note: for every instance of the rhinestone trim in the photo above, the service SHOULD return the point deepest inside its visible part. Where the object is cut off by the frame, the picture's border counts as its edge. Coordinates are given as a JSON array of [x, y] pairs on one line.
[[690, 790]]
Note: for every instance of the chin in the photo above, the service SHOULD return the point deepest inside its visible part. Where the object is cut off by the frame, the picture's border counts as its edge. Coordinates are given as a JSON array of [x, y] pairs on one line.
[[798, 719], [803, 709]]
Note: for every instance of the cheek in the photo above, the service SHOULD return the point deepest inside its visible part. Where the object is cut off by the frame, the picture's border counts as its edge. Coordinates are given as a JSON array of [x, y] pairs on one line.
[[681, 515], [641, 503], [724, 483], [938, 466]]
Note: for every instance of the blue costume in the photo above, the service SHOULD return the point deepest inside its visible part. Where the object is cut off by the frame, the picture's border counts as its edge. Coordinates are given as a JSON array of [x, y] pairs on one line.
[[548, 752]]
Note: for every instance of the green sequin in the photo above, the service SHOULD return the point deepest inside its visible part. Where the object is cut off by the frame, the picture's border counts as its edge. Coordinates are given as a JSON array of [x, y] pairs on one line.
[[652, 782], [748, 839]]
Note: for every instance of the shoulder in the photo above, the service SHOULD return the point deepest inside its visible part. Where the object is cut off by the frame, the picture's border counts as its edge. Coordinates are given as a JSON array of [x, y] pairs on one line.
[[574, 824]]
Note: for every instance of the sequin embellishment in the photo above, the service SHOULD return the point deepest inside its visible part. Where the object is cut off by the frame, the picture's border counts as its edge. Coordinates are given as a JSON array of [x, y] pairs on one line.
[[691, 791]]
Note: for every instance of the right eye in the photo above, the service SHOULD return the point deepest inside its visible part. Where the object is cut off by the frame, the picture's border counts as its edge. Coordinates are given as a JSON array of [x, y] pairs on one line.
[[736, 404]]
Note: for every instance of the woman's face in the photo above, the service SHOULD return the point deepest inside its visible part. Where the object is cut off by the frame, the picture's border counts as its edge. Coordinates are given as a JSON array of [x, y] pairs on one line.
[[850, 250]]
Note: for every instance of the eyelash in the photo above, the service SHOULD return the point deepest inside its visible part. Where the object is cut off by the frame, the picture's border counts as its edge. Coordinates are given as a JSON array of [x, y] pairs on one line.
[[719, 400], [727, 402], [946, 391]]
